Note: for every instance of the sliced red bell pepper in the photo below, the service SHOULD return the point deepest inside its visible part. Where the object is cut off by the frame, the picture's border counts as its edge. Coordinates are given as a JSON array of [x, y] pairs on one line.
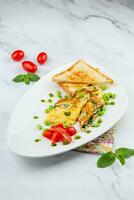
[[48, 134], [71, 131], [55, 138]]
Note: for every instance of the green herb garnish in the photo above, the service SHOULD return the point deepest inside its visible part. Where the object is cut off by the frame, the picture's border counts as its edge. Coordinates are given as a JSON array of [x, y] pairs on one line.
[[77, 137], [88, 131], [42, 100], [47, 110], [35, 117], [102, 111], [37, 140], [107, 97], [53, 144], [112, 103], [95, 124], [50, 101], [26, 78], [65, 142], [39, 127], [51, 95], [109, 158], [58, 94], [99, 121], [67, 113]]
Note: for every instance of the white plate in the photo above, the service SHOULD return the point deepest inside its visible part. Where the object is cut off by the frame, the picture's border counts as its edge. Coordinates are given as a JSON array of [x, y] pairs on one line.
[[22, 129]]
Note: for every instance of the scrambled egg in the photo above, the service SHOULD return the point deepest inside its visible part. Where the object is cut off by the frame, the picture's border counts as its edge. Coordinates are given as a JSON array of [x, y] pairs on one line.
[[67, 111]]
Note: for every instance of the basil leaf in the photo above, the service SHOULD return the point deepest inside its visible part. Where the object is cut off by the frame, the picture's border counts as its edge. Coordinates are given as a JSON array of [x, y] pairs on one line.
[[33, 77], [19, 78], [106, 160], [26, 80], [125, 152], [121, 159]]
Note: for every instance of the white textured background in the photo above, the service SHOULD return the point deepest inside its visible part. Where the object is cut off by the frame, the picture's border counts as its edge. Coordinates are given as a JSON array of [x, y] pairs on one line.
[[101, 31]]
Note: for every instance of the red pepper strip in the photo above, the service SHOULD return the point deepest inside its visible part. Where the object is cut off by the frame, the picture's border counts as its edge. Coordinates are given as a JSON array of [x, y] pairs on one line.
[[48, 134], [55, 138]]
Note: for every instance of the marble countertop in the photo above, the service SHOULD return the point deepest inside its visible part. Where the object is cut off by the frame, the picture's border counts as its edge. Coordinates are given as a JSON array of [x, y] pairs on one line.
[[101, 31]]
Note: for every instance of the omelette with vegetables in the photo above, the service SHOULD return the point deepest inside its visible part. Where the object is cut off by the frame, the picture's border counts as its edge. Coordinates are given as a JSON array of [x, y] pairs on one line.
[[84, 103], [67, 110]]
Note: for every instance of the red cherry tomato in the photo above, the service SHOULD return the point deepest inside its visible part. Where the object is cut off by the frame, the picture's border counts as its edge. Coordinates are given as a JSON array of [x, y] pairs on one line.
[[71, 131], [29, 66], [17, 55], [41, 58], [48, 134]]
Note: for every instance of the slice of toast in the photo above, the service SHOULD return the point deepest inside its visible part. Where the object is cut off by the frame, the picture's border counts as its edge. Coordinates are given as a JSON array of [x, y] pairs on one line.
[[82, 73]]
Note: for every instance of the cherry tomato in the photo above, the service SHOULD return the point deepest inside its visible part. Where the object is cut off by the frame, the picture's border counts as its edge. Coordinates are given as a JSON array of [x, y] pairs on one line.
[[48, 134], [41, 58], [29, 66], [17, 55], [71, 131]]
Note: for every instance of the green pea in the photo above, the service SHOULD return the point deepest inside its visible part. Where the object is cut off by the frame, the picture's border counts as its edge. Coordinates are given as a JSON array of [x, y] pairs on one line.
[[42, 100], [58, 94], [88, 131], [51, 95], [112, 103], [35, 117], [47, 123], [113, 96], [65, 142], [47, 110], [53, 144], [99, 121], [39, 127], [37, 140], [50, 101], [77, 137], [96, 124]]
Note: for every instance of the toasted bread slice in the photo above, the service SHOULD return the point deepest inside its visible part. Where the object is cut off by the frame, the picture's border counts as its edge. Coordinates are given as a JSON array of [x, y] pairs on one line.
[[82, 73]]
